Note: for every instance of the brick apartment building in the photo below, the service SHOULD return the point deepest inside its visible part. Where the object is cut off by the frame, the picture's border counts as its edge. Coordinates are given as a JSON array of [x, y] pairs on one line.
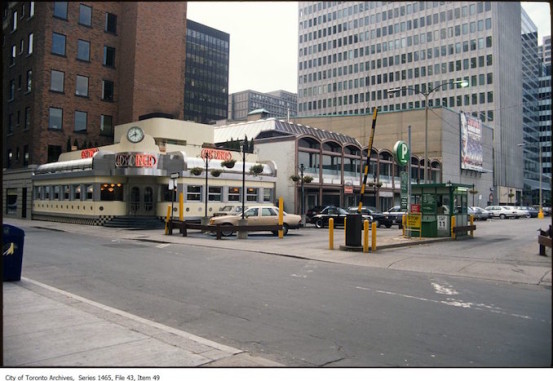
[[74, 70]]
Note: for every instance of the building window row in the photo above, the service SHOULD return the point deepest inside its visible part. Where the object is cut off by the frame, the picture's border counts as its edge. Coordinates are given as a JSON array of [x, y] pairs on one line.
[[196, 193], [55, 121], [85, 15], [59, 42]]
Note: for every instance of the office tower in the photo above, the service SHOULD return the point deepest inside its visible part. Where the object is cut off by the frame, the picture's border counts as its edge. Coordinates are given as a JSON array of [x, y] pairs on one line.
[[279, 104], [72, 71], [351, 54], [207, 73], [544, 102]]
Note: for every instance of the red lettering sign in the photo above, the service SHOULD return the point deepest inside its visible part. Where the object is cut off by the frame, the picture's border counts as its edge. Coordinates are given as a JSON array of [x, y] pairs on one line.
[[87, 153], [415, 208], [216, 154], [135, 160]]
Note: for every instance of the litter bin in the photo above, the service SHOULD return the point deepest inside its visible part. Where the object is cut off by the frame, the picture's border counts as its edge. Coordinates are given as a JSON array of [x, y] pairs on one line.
[[12, 251], [353, 230]]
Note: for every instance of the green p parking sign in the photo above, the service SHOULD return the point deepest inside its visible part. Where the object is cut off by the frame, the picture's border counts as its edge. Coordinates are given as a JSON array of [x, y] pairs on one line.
[[401, 152]]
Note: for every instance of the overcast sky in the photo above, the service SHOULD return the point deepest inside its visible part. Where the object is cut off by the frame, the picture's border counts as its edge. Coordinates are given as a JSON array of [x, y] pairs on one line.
[[264, 39]]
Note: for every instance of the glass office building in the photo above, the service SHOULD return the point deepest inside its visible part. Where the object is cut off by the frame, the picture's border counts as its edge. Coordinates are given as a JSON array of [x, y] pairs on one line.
[[206, 74]]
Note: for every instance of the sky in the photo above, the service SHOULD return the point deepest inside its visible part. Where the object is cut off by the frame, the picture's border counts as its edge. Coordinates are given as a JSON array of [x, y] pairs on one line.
[[264, 39]]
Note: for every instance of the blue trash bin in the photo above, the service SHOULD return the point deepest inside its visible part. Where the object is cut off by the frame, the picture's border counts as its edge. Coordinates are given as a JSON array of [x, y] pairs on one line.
[[12, 252]]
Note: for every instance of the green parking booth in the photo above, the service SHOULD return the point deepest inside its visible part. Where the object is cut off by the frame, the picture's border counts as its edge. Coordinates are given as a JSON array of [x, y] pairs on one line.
[[12, 252], [438, 203]]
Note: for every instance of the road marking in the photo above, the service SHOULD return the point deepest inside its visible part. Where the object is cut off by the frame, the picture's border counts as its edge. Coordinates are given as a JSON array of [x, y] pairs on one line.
[[444, 290], [161, 246], [453, 303]]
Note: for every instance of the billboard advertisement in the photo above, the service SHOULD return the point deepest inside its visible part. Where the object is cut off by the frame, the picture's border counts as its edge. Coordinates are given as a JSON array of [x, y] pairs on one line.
[[471, 143]]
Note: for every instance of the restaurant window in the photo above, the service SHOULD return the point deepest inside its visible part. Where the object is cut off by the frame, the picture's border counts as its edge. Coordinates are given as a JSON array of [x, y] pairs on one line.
[[47, 192], [76, 192], [66, 192], [56, 192], [234, 194], [193, 193], [111, 192], [89, 191], [267, 195], [215, 193], [251, 194]]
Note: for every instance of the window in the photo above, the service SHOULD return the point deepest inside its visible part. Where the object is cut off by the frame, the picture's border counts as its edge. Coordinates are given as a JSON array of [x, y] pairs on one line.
[[85, 15], [54, 153], [60, 9], [83, 50], [81, 87], [107, 90], [14, 21], [55, 119], [193, 193], [30, 44], [26, 155], [215, 193], [80, 121], [29, 80], [10, 124], [32, 9], [106, 125], [12, 90], [234, 194], [76, 192], [57, 79], [109, 56], [14, 54], [27, 118], [267, 194], [89, 191], [251, 194], [58, 44], [111, 23]]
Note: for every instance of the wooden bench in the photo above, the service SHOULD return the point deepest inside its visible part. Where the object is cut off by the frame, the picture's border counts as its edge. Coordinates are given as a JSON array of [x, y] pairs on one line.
[[184, 226], [544, 241], [463, 229]]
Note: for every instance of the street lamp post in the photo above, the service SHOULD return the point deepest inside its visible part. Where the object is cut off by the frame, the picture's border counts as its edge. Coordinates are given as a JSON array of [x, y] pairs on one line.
[[426, 94], [302, 167], [540, 213]]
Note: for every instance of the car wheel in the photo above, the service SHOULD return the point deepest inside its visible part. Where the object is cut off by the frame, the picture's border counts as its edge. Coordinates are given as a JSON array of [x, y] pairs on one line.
[[227, 233], [388, 225], [319, 224], [285, 229], [502, 216]]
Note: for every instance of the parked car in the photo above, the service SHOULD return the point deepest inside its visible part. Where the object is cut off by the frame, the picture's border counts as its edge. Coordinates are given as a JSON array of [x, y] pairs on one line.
[[532, 212], [228, 210], [321, 219], [374, 214], [259, 215], [314, 210], [478, 213], [502, 211], [395, 215], [546, 210]]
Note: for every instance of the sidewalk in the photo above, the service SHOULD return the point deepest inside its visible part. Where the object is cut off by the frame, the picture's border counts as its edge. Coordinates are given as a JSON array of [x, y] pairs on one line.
[[62, 329]]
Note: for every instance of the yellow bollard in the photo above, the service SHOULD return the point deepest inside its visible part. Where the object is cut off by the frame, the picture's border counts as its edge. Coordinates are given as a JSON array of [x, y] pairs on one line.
[[167, 220], [331, 233], [403, 224], [452, 226], [373, 243], [181, 206], [280, 216], [471, 224], [366, 236]]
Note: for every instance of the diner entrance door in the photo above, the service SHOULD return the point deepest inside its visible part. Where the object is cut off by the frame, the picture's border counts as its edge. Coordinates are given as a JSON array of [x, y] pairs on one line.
[[142, 199]]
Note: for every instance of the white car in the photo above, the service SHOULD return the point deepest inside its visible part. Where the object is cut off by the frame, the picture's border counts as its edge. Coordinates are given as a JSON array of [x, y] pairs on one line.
[[503, 211]]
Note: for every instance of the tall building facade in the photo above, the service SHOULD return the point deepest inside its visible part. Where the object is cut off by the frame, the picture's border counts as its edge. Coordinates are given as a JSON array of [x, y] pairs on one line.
[[545, 138], [206, 73], [351, 54], [279, 104], [531, 70], [74, 70]]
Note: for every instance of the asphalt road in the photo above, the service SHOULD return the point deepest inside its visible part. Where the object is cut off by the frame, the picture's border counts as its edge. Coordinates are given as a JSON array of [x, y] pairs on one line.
[[305, 313]]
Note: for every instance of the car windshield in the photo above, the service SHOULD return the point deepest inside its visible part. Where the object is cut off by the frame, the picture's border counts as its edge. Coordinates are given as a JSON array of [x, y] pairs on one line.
[[227, 208]]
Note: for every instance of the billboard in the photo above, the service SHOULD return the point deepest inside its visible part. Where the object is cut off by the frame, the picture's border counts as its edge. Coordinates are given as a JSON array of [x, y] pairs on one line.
[[471, 143]]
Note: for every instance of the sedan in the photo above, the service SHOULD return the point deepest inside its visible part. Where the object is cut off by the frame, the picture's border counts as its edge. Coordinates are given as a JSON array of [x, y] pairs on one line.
[[532, 212], [314, 210], [372, 214], [395, 215], [502, 211], [259, 215], [479, 213], [321, 219]]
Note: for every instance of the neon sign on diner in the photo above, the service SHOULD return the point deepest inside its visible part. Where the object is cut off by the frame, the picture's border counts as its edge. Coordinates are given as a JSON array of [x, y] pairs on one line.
[[88, 153], [135, 160], [215, 154]]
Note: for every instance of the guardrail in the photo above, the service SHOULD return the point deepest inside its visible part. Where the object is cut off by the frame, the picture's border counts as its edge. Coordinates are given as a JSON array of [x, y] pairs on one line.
[[184, 226]]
